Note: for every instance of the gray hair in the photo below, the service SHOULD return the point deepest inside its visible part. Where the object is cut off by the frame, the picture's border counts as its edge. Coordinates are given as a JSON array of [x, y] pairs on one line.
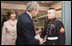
[[32, 5]]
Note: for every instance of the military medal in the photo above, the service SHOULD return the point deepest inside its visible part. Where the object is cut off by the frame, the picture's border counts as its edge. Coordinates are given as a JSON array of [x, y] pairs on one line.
[[47, 29], [50, 32], [52, 26]]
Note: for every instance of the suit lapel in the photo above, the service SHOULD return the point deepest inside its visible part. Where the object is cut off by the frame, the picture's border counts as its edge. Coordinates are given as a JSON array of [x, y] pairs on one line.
[[30, 18]]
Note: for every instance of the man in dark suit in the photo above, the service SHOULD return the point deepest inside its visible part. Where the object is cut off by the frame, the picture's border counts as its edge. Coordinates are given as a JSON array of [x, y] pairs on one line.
[[25, 27]]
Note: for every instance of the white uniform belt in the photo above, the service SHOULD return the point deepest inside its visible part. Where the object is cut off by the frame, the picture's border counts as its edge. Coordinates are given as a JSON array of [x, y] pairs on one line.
[[52, 38]]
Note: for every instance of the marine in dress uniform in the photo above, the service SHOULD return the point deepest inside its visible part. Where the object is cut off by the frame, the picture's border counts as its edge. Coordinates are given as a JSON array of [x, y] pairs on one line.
[[54, 31]]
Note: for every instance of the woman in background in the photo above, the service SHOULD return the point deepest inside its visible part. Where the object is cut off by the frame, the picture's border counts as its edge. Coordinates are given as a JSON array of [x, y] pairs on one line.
[[9, 32]]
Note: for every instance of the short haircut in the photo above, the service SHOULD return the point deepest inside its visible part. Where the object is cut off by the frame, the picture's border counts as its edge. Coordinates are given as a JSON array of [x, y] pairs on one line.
[[51, 9], [11, 11], [32, 5]]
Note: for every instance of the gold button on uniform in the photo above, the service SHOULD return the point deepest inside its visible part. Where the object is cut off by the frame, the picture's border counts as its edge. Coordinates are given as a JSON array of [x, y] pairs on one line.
[[48, 26], [47, 32], [47, 29]]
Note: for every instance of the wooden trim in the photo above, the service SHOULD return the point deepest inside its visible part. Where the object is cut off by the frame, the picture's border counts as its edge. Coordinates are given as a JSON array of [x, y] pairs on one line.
[[59, 9]]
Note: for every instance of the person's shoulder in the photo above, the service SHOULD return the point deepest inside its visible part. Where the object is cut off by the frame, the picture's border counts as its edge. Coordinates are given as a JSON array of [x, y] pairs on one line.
[[23, 16], [6, 22], [58, 21]]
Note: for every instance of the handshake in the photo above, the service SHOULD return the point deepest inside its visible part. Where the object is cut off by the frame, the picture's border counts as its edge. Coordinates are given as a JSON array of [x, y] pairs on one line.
[[39, 38]]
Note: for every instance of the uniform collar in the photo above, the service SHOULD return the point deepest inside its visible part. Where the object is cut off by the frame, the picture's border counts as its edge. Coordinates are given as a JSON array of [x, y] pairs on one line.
[[29, 14], [50, 20], [53, 19]]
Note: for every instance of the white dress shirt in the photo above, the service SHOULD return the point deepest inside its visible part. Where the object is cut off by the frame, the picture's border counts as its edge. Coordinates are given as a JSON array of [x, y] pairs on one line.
[[29, 14]]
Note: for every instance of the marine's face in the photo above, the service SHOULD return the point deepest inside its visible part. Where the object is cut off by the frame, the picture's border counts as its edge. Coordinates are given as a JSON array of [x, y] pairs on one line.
[[51, 14]]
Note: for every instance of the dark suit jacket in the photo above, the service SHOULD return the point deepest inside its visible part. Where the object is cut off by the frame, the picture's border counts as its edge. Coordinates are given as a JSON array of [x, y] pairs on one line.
[[25, 31]]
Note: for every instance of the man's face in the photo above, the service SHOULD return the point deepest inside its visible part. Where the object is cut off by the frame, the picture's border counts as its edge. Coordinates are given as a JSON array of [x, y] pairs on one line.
[[35, 12], [51, 14]]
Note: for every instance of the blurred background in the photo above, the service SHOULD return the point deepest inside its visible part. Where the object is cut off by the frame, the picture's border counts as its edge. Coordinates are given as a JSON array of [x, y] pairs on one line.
[[20, 7]]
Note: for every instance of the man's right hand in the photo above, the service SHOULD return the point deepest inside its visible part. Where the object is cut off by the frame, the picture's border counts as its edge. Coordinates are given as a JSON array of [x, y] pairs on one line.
[[41, 41]]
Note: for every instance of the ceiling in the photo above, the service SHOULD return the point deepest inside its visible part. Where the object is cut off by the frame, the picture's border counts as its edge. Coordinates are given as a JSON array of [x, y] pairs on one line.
[[42, 3]]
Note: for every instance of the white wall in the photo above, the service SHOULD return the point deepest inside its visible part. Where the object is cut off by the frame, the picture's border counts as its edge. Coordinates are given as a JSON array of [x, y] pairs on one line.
[[57, 6]]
